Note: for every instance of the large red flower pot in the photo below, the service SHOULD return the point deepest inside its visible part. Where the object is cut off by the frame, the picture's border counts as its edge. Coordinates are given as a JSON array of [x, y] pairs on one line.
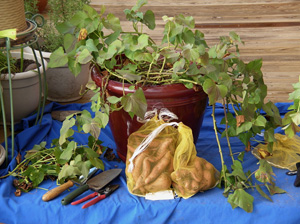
[[189, 105]]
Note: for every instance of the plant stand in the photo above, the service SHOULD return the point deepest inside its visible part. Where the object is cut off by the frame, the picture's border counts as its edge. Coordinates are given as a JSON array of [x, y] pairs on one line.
[[24, 38]]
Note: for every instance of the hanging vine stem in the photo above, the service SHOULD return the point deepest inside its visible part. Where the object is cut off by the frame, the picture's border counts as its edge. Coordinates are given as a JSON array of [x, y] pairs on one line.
[[226, 130], [217, 139]]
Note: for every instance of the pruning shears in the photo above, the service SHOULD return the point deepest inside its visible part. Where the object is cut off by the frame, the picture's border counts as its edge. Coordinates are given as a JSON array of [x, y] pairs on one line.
[[102, 194]]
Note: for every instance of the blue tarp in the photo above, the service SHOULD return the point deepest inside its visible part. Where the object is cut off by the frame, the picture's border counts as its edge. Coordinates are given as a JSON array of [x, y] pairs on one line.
[[122, 207]]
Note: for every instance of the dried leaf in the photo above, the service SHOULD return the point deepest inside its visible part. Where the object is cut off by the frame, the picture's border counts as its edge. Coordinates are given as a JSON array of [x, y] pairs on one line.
[[19, 158], [263, 153], [18, 193], [239, 120], [99, 149]]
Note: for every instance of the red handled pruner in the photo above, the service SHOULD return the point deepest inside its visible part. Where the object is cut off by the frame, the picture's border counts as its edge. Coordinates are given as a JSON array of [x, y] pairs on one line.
[[102, 194]]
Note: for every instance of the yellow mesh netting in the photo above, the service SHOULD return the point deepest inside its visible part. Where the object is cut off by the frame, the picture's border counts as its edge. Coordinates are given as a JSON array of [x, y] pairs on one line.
[[191, 173], [168, 160], [286, 152]]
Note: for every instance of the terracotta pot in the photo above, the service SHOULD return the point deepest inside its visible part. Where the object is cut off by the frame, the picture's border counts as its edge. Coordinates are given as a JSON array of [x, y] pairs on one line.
[[42, 5], [187, 104]]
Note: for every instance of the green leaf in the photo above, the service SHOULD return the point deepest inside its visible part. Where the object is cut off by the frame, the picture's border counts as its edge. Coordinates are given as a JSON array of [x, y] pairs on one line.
[[68, 41], [84, 57], [104, 118], [188, 37], [172, 54], [149, 19], [178, 65], [69, 172], [112, 37], [112, 22], [37, 176], [68, 152], [90, 45], [265, 172], [139, 4], [241, 156], [260, 121], [74, 67], [254, 66], [78, 18], [78, 159], [91, 153], [295, 118], [193, 69], [269, 135], [214, 92], [113, 99], [92, 13], [97, 162], [240, 198], [186, 21], [274, 189], [225, 80], [129, 75], [234, 36], [190, 53], [237, 170], [140, 56], [245, 137], [258, 188], [66, 130], [113, 48], [58, 58], [142, 42], [65, 27], [246, 126], [135, 103]]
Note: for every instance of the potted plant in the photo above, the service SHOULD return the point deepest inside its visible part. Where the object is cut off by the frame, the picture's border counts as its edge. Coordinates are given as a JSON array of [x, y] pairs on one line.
[[62, 85], [35, 6], [132, 63], [20, 85], [25, 84]]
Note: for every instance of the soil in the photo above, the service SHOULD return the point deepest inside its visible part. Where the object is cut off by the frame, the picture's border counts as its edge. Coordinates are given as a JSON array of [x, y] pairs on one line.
[[27, 65]]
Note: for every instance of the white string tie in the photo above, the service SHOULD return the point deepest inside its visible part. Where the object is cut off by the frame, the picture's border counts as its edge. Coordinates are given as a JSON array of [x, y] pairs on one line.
[[146, 141]]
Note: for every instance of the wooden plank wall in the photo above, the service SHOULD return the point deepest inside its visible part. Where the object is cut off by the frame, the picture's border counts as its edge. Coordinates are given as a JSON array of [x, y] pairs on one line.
[[269, 28]]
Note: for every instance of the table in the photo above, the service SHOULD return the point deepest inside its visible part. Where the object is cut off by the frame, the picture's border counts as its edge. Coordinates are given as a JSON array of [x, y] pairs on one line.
[[122, 207]]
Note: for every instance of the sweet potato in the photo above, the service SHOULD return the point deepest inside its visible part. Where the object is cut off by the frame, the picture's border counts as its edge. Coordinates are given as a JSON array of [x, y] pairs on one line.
[[199, 175], [163, 182], [146, 169], [138, 166], [160, 166]]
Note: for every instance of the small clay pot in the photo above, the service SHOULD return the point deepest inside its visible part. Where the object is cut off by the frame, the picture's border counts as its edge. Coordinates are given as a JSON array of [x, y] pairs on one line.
[[42, 5]]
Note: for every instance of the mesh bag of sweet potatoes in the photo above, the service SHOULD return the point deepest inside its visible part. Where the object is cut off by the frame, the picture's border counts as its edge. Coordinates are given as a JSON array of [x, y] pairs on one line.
[[162, 156]]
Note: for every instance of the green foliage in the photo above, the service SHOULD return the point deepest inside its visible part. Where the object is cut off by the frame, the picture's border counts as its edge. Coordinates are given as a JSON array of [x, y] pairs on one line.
[[183, 56], [291, 120], [59, 11], [31, 6], [64, 160], [4, 64]]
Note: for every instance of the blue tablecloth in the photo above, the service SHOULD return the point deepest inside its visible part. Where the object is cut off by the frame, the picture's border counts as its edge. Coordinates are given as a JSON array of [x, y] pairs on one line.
[[122, 207]]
